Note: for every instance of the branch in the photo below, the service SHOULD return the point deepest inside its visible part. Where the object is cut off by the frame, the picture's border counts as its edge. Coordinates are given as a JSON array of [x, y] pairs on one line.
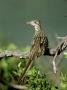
[[49, 52], [17, 54], [59, 48], [57, 51]]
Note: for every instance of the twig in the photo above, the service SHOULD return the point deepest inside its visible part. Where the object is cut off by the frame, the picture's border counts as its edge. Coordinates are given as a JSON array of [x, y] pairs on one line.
[[54, 63]]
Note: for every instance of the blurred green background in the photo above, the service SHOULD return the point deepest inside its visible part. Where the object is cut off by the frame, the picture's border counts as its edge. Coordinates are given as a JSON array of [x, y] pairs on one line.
[[14, 14]]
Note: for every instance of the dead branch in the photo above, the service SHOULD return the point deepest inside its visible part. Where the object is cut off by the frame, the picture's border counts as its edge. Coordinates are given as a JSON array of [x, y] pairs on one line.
[[57, 51], [17, 54], [59, 48], [49, 52]]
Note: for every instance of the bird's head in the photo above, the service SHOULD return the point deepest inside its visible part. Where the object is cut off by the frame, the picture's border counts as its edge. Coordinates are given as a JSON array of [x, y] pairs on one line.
[[35, 23]]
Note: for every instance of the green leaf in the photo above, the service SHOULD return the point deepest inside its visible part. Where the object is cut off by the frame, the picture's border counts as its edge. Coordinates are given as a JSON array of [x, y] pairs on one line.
[[65, 54]]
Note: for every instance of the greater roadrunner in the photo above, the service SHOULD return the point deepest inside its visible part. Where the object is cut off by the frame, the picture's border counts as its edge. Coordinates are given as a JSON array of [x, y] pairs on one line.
[[39, 44]]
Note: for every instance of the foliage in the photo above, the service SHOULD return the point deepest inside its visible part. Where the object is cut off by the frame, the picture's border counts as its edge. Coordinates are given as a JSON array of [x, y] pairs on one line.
[[63, 81], [37, 81]]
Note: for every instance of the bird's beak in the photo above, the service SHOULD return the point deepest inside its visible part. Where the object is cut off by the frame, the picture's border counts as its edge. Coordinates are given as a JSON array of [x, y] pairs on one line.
[[30, 23]]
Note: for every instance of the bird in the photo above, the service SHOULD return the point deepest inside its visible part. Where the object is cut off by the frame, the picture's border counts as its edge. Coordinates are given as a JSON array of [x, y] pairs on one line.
[[40, 39], [39, 44]]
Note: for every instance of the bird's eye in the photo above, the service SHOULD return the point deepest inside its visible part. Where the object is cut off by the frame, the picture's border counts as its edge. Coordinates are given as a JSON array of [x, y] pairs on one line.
[[36, 22]]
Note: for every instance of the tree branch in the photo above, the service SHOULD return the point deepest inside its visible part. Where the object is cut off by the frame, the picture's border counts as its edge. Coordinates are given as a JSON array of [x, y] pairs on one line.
[[59, 48], [57, 51], [17, 54], [49, 52]]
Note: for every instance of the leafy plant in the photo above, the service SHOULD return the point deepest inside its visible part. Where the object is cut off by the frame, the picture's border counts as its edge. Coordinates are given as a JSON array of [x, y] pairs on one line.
[[37, 81]]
